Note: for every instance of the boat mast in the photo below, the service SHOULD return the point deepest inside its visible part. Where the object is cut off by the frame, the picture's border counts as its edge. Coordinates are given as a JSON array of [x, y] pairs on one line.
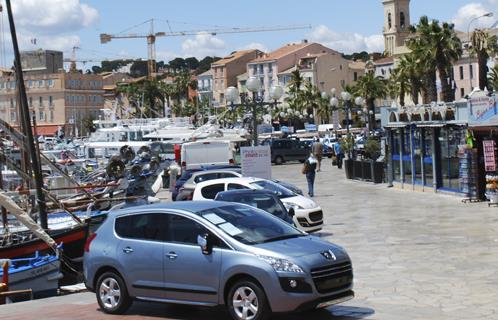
[[27, 122]]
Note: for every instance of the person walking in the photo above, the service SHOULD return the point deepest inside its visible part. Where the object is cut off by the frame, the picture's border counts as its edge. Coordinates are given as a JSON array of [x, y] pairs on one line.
[[338, 154], [317, 149], [309, 169]]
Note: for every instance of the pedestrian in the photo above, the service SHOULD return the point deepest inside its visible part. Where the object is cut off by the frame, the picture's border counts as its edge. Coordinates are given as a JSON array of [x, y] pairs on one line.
[[309, 170], [338, 154], [317, 149]]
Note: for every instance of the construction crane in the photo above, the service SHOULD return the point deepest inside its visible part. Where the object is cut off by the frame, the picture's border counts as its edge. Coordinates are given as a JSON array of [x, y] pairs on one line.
[[73, 60], [151, 37]]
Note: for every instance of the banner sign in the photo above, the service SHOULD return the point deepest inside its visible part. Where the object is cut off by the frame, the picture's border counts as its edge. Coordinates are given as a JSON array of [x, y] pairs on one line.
[[256, 161], [483, 111], [489, 155]]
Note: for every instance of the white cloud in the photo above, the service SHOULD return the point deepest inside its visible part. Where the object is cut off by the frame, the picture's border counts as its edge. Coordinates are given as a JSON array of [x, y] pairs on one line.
[[255, 45], [202, 45], [53, 16], [470, 11], [347, 42]]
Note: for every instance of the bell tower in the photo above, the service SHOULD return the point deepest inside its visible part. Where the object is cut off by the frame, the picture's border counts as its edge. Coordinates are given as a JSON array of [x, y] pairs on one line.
[[396, 24]]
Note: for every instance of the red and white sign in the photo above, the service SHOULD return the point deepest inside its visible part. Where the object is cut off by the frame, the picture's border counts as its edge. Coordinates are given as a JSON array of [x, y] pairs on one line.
[[489, 155]]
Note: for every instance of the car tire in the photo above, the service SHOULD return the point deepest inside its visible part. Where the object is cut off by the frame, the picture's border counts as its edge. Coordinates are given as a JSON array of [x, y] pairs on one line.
[[247, 297], [112, 294], [279, 160]]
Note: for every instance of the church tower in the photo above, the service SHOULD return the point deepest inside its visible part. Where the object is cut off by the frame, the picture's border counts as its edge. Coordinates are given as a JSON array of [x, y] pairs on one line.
[[396, 24]]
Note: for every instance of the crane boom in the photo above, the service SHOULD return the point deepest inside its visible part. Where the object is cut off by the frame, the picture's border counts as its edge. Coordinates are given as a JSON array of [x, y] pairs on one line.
[[151, 37]]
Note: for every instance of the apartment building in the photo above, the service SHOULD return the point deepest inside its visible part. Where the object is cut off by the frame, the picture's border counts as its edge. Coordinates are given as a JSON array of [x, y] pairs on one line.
[[226, 70], [205, 87], [59, 99], [275, 68]]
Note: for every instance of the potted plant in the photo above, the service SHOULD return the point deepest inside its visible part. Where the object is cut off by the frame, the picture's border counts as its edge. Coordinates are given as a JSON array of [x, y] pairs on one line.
[[372, 152], [347, 146]]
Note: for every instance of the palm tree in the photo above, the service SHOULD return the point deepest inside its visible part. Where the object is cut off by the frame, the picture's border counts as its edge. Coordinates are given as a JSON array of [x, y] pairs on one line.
[[483, 45], [408, 68], [295, 93], [438, 47], [371, 87], [398, 86], [493, 78]]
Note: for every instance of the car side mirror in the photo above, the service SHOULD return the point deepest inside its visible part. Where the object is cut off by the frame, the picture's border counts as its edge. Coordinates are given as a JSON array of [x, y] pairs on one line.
[[205, 242], [292, 212]]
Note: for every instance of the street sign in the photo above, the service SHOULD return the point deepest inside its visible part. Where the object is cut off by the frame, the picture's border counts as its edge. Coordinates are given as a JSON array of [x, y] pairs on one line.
[[256, 161]]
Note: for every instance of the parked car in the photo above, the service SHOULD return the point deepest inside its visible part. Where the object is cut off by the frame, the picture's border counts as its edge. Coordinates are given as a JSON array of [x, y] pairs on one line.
[[210, 253], [187, 173], [308, 217], [261, 199], [186, 191], [283, 150]]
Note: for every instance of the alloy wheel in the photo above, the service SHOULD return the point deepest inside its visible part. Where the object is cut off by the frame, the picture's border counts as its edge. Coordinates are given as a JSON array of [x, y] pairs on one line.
[[245, 303], [110, 293]]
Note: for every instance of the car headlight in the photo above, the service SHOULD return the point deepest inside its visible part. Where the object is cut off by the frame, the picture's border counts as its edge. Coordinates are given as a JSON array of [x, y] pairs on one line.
[[294, 206], [282, 265]]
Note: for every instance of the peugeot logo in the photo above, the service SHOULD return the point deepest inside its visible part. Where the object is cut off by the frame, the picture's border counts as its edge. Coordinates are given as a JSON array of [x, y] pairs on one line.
[[329, 255]]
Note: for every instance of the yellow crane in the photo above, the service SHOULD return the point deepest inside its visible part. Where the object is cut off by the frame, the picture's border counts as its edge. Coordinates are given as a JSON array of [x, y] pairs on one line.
[[151, 37]]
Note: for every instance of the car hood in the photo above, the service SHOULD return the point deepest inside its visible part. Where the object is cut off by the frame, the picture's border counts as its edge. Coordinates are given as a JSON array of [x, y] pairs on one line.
[[302, 201], [302, 247]]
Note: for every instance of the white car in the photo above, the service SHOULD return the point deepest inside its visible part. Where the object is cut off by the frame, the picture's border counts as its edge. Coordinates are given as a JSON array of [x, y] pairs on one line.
[[308, 215]]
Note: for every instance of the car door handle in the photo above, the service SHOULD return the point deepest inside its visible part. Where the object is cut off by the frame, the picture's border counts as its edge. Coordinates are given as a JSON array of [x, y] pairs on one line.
[[172, 255], [127, 250]]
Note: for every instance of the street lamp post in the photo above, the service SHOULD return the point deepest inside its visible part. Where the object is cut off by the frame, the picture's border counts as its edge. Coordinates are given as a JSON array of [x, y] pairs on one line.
[[488, 15], [255, 103]]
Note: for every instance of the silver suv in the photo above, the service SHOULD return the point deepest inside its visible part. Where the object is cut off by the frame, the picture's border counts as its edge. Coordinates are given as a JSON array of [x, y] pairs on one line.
[[209, 253]]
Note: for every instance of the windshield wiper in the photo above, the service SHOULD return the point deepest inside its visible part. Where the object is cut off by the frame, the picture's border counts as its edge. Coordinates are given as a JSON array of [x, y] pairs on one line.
[[284, 237]]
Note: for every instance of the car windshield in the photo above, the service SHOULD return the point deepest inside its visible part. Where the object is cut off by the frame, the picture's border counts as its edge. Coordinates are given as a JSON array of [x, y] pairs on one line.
[[249, 225], [272, 186]]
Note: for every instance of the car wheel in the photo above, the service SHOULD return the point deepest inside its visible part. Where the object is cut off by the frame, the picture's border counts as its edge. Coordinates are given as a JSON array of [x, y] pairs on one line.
[[247, 301], [112, 295], [279, 160]]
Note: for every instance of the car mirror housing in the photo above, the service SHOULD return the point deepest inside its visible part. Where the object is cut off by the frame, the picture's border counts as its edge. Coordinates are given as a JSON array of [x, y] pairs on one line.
[[292, 212], [205, 242]]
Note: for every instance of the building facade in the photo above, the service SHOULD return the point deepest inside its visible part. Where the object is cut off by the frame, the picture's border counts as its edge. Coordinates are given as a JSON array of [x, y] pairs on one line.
[[205, 87], [226, 70], [60, 99], [396, 25]]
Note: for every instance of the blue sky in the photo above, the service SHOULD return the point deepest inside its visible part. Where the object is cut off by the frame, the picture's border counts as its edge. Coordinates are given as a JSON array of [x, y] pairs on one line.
[[346, 26]]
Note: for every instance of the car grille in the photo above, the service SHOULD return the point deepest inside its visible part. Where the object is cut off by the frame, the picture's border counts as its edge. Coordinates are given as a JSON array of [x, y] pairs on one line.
[[316, 216], [332, 277]]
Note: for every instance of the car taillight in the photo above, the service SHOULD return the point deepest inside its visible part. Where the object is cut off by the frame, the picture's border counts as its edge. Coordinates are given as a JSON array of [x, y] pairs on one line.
[[231, 161], [184, 164], [89, 240]]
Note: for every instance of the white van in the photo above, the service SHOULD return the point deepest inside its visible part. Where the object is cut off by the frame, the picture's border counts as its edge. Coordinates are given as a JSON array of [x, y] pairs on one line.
[[206, 153]]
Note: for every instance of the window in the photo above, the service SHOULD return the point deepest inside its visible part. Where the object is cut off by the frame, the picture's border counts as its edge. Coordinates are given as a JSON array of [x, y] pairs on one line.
[[270, 68], [261, 69], [149, 226], [461, 72], [389, 21], [254, 69], [402, 20], [30, 102], [355, 76], [40, 101], [41, 115], [462, 92], [183, 230], [205, 177], [51, 115], [50, 82], [12, 116], [50, 101], [41, 83], [12, 103], [471, 71], [236, 186], [210, 192], [30, 84]]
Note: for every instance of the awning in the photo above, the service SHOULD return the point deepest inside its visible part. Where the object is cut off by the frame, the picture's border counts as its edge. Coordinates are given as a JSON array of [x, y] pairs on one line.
[[48, 130], [431, 125], [396, 125]]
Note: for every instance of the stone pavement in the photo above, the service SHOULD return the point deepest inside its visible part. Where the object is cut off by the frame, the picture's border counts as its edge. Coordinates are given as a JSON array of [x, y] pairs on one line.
[[415, 256]]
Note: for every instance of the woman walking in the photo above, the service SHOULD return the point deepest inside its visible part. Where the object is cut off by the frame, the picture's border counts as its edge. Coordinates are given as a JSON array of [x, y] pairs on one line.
[[309, 169]]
